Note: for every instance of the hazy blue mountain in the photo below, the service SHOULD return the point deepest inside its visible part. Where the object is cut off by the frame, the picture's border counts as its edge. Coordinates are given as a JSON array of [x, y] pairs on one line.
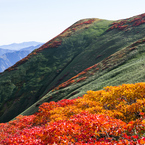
[[18, 46], [11, 57], [2, 51]]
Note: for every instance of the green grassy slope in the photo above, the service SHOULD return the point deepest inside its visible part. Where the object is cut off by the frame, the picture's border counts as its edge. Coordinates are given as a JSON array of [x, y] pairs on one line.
[[82, 45], [127, 65], [124, 66]]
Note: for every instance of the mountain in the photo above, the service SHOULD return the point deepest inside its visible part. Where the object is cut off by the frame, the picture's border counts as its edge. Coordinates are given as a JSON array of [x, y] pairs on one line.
[[89, 55], [18, 46], [11, 57], [3, 51]]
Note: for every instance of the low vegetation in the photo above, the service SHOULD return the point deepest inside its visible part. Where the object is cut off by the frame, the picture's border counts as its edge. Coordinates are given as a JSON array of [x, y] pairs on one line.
[[114, 115]]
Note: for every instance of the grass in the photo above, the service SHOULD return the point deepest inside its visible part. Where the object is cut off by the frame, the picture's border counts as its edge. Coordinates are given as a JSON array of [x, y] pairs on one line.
[[130, 70]]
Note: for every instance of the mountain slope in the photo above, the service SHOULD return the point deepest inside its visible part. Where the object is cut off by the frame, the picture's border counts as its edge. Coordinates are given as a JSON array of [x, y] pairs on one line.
[[10, 58], [126, 65], [3, 51], [110, 48]]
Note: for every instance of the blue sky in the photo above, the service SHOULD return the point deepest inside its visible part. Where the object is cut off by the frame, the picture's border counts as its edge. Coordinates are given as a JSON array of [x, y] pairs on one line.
[[41, 20]]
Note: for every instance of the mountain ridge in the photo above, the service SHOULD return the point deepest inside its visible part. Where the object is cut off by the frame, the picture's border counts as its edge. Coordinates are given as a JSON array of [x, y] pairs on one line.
[[56, 41], [3, 51]]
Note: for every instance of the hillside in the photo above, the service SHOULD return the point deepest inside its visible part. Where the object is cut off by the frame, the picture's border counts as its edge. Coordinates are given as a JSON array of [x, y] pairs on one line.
[[3, 51], [10, 58], [89, 55]]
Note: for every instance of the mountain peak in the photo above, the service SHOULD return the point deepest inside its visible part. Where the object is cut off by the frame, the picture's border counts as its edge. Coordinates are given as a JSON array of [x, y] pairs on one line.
[[56, 41]]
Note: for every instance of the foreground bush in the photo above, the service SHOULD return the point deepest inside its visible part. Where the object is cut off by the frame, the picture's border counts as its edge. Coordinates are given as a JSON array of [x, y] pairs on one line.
[[114, 115]]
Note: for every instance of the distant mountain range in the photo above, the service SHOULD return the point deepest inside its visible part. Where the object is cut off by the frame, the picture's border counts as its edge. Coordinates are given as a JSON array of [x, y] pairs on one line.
[[10, 57], [18, 46], [3, 51]]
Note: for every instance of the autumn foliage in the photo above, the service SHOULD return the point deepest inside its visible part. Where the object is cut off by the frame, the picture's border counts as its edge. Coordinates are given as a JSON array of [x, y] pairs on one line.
[[114, 115], [128, 23], [82, 76]]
